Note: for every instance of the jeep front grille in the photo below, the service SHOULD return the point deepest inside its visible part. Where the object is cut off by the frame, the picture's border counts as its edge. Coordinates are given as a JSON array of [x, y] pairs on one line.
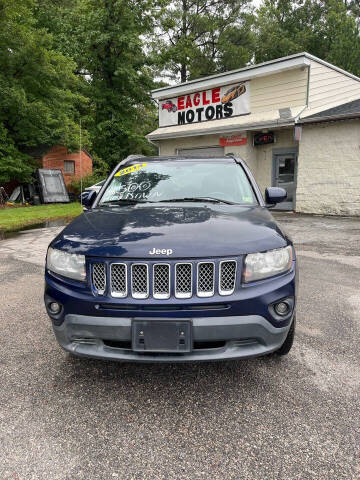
[[99, 277], [227, 277], [183, 280], [140, 280], [205, 279], [118, 274], [163, 280]]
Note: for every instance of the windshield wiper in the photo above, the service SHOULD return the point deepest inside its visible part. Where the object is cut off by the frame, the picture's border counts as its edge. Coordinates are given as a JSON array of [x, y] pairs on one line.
[[199, 199], [119, 200]]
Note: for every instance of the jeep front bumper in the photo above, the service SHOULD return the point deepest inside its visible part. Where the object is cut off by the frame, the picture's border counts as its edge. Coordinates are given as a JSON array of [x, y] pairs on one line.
[[214, 338]]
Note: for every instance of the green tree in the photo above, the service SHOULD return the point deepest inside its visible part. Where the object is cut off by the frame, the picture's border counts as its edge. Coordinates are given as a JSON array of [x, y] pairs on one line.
[[353, 6], [200, 37], [109, 53], [324, 28], [39, 92], [342, 38], [58, 18]]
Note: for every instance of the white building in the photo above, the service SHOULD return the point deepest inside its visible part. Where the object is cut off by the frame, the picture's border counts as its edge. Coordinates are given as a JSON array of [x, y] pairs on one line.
[[295, 120]]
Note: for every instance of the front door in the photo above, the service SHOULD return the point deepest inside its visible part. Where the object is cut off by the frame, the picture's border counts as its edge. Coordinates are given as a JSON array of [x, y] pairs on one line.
[[284, 168]]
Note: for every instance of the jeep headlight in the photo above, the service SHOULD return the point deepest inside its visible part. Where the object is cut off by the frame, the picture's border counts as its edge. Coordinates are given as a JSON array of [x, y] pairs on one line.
[[267, 264], [66, 264]]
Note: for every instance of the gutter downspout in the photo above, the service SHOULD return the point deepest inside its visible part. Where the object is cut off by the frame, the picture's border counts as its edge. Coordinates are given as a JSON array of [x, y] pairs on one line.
[[297, 118]]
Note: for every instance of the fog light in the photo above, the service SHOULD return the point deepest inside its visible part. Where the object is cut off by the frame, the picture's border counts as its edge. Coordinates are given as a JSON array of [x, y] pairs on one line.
[[54, 307], [282, 308]]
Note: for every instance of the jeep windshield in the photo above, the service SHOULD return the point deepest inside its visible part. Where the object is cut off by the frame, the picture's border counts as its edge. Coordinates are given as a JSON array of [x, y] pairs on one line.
[[186, 180]]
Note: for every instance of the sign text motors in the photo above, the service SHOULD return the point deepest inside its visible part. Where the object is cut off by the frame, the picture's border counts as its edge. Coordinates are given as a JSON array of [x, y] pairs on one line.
[[206, 105]]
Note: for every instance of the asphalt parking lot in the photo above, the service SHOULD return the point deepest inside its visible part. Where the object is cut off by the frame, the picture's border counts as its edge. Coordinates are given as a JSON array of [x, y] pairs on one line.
[[297, 417]]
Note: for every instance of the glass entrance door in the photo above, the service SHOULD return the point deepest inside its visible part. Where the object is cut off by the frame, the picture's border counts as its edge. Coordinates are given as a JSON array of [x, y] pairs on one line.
[[284, 177]]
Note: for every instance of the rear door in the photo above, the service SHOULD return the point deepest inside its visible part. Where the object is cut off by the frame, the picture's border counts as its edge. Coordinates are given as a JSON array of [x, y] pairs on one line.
[[284, 176]]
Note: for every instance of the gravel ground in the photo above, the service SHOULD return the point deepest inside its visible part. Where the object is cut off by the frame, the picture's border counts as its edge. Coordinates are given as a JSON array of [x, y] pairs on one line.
[[291, 418]]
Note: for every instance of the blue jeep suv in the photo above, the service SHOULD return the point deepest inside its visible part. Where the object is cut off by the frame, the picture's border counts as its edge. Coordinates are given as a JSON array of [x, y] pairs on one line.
[[175, 259]]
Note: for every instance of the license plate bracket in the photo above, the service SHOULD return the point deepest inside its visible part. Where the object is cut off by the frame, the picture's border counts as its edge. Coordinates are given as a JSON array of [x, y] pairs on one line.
[[167, 336]]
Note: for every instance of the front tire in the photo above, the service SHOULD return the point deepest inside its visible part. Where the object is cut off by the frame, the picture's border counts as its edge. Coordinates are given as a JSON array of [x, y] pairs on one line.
[[289, 340]]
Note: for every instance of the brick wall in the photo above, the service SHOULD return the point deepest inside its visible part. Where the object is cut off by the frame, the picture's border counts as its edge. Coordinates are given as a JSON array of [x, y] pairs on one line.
[[57, 155], [328, 179]]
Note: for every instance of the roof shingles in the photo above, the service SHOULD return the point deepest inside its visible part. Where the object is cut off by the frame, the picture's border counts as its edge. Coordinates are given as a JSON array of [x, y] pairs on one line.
[[344, 110]]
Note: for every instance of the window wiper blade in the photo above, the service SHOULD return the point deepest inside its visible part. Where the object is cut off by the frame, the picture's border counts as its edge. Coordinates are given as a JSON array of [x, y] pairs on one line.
[[199, 199], [125, 200], [218, 200]]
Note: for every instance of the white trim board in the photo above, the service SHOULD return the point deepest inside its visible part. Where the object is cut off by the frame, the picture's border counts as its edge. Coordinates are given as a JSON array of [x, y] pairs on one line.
[[247, 73], [228, 78], [231, 129]]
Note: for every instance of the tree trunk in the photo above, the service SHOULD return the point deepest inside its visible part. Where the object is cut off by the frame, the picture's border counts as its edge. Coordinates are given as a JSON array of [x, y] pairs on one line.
[[183, 73]]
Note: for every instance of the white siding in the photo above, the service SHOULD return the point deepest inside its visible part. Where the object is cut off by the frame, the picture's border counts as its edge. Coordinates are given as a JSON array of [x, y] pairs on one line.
[[327, 86], [285, 89]]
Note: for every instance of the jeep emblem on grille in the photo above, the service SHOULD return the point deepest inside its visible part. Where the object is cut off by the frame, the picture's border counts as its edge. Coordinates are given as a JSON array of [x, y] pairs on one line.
[[158, 251]]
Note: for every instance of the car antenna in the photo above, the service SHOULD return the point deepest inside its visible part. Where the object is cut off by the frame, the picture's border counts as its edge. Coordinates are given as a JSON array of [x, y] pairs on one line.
[[81, 182]]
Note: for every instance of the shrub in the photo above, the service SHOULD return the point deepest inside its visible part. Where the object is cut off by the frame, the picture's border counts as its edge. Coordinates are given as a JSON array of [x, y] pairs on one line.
[[87, 181], [100, 172]]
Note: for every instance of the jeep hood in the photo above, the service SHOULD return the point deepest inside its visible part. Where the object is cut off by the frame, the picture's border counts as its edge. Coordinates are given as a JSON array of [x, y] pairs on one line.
[[189, 230]]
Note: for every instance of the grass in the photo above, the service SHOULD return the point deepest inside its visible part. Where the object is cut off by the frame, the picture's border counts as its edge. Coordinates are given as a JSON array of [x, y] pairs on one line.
[[16, 218]]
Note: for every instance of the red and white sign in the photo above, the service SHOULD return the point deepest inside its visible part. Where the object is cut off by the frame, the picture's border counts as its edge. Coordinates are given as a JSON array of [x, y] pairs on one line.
[[233, 140], [206, 105]]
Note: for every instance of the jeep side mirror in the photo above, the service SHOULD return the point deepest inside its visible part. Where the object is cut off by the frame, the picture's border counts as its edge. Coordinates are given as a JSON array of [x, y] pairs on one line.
[[274, 195], [88, 200]]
